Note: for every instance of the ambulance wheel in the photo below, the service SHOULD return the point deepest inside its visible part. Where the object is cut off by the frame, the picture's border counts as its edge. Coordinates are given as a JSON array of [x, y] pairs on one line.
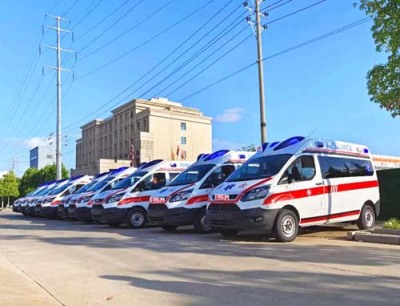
[[201, 224], [169, 228], [228, 233], [136, 218], [286, 226], [367, 218]]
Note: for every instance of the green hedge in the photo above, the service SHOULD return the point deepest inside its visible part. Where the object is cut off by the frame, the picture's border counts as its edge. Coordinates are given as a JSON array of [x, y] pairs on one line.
[[389, 187]]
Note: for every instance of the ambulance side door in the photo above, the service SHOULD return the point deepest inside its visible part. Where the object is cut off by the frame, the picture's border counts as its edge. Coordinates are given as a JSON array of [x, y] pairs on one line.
[[305, 187]]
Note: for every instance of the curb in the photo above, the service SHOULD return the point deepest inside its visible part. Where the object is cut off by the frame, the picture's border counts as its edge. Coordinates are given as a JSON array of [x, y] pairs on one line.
[[383, 236]]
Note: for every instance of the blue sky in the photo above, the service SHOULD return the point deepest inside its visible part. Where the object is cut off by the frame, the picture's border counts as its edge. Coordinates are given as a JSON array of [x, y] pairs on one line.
[[319, 89]]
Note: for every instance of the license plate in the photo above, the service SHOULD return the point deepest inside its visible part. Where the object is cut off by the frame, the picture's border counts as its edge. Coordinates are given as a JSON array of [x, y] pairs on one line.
[[222, 197], [157, 200]]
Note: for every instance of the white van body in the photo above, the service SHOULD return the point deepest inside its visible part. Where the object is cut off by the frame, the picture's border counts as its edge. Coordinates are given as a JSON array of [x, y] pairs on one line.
[[83, 206], [22, 204], [184, 200], [31, 206], [128, 201], [73, 197], [49, 206], [298, 182]]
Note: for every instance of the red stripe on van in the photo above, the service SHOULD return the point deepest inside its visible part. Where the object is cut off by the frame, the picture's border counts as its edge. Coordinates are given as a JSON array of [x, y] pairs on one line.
[[329, 217], [309, 192], [134, 200], [197, 199]]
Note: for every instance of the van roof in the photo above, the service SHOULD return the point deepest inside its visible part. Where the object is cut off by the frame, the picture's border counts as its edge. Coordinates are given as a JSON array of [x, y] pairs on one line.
[[165, 165], [299, 144], [224, 156]]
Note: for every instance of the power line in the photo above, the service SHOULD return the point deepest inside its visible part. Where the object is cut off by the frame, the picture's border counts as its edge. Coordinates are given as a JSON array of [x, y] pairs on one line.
[[296, 12], [127, 31], [111, 26], [87, 14], [208, 66], [70, 8], [102, 20], [212, 42], [168, 56], [308, 42], [208, 45], [149, 40]]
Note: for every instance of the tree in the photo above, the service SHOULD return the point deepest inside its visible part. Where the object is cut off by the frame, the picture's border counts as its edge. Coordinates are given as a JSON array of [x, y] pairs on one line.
[[9, 186], [30, 180], [33, 178], [49, 173], [384, 79], [249, 148]]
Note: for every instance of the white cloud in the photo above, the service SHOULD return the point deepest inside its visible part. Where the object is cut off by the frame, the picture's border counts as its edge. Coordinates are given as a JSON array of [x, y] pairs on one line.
[[28, 143], [31, 143], [230, 115], [220, 144]]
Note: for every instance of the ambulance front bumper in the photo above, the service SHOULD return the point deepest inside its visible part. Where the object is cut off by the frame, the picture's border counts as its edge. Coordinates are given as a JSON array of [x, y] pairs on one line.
[[223, 217], [83, 213], [114, 215], [174, 216], [49, 211]]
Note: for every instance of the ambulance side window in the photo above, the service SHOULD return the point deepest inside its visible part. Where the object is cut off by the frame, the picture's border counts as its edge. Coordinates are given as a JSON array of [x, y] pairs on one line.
[[172, 175], [65, 193], [152, 182], [218, 176], [302, 169]]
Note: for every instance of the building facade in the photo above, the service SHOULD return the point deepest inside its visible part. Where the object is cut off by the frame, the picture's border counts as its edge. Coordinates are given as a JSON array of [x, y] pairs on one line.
[[140, 131], [41, 156]]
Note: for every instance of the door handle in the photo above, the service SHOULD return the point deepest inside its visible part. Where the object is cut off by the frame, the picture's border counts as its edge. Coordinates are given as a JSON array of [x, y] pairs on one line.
[[319, 184]]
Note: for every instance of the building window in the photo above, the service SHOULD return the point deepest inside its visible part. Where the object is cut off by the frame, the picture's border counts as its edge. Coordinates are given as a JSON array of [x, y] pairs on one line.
[[183, 140], [183, 126], [131, 114], [144, 125], [137, 126]]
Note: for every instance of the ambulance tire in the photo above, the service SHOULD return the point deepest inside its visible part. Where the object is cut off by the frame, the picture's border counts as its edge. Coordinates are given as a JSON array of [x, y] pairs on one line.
[[169, 228], [200, 223], [286, 226], [136, 218], [367, 218], [228, 233]]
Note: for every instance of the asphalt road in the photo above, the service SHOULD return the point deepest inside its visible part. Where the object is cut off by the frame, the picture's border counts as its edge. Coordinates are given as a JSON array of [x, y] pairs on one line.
[[50, 262]]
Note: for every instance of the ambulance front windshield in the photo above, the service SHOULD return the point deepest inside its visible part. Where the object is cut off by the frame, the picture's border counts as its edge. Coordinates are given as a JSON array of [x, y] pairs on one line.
[[100, 184], [259, 167], [130, 180], [192, 175]]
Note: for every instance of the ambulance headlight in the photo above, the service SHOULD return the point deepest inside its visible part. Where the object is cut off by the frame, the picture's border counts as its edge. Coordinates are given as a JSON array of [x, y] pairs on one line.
[[256, 194], [181, 196], [85, 199], [115, 198]]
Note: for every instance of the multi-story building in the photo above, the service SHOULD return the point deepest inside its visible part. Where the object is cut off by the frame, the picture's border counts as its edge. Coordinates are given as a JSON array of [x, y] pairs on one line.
[[41, 156], [142, 130]]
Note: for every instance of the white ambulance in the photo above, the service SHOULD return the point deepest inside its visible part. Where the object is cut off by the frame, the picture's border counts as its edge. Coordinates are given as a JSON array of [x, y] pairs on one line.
[[49, 206], [128, 201], [21, 205], [30, 209], [74, 197], [184, 200], [82, 208], [298, 182]]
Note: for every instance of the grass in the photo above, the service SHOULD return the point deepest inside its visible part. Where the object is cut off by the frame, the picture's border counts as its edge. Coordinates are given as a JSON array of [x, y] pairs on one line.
[[392, 223]]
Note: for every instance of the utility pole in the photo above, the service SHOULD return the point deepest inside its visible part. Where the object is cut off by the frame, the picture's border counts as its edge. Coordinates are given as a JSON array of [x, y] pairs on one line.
[[255, 21], [14, 163], [58, 48]]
